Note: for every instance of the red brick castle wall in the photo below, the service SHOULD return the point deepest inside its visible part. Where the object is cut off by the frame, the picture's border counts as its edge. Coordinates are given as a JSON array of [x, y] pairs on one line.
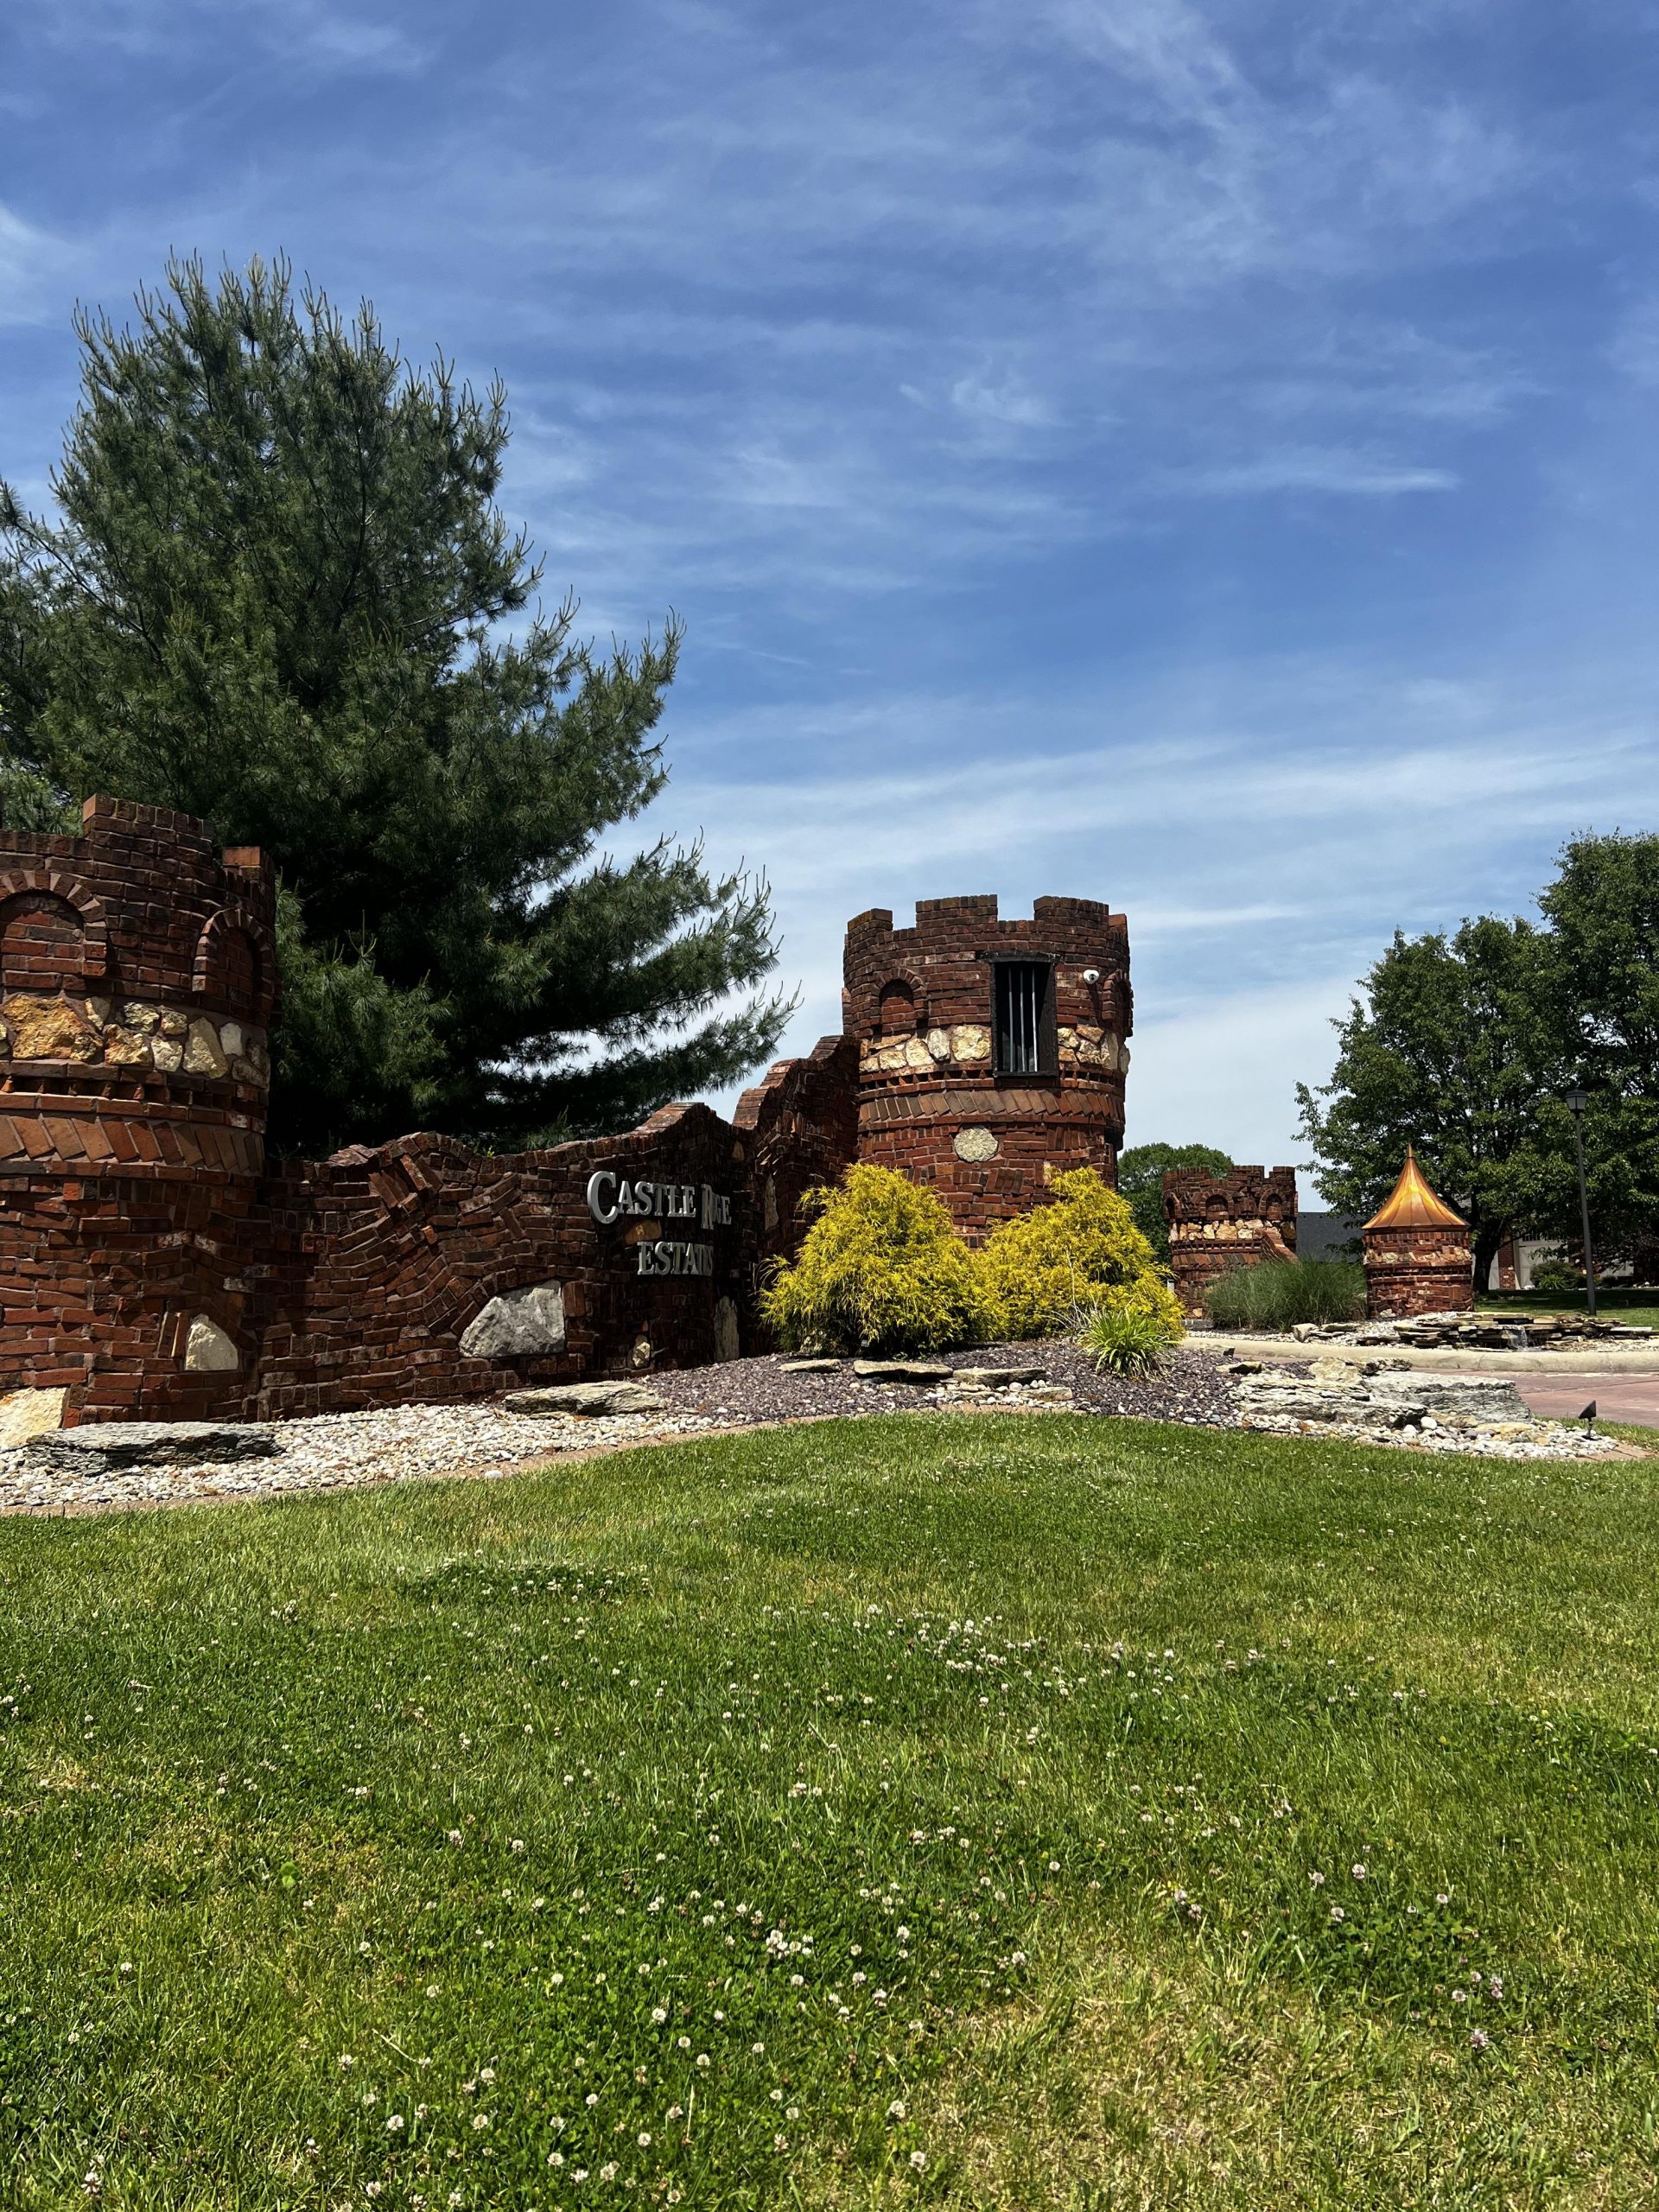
[[932, 1103], [154, 1264]]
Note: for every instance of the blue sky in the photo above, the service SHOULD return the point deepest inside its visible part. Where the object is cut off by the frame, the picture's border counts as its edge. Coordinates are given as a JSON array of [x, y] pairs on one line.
[[1195, 456]]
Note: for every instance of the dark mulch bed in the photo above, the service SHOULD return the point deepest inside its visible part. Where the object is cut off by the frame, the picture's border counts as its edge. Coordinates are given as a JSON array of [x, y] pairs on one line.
[[1189, 1388]]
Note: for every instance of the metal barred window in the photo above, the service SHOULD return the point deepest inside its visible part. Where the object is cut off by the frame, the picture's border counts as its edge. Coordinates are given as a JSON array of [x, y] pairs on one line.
[[1021, 1010]]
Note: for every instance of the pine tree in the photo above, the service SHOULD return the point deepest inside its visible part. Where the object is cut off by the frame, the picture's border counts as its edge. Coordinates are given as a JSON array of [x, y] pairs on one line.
[[279, 594]]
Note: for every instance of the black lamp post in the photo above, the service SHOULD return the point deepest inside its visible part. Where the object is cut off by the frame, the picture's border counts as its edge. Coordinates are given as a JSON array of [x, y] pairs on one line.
[[1575, 1102]]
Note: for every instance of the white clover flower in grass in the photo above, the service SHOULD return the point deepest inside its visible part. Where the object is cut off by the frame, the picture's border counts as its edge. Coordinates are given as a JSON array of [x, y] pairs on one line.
[[608, 2171], [394, 2123], [918, 2159], [590, 2100], [896, 2109], [643, 2139], [1358, 1873], [1479, 2040], [657, 2016], [1336, 1913]]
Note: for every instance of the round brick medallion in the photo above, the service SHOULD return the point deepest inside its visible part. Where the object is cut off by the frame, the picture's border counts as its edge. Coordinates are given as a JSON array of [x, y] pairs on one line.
[[975, 1144]]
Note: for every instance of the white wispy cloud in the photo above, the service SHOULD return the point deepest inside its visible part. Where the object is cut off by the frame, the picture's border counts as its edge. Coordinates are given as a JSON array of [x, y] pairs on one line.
[[1314, 469]]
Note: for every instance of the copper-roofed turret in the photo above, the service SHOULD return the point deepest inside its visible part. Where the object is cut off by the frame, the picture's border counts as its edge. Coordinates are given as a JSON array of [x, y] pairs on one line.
[[1412, 1204], [1417, 1255]]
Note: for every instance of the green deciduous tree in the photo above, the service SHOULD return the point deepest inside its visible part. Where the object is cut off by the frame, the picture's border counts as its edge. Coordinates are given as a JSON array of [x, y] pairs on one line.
[[1603, 1003], [279, 594], [1448, 1051], [1465, 1045], [1140, 1172]]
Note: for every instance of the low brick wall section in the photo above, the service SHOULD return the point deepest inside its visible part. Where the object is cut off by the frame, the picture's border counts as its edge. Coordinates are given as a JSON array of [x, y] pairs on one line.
[[1217, 1222]]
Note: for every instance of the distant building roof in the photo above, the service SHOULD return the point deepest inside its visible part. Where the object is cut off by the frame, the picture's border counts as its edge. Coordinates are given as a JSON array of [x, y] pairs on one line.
[[1412, 1204], [1326, 1236]]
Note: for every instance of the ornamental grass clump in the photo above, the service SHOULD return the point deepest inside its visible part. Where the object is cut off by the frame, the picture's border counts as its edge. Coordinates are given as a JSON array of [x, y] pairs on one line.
[[1281, 1292], [882, 1269], [1125, 1339], [1078, 1253]]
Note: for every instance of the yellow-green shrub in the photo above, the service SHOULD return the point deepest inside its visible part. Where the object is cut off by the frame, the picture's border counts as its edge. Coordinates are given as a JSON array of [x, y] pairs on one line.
[[1078, 1252], [882, 1270]]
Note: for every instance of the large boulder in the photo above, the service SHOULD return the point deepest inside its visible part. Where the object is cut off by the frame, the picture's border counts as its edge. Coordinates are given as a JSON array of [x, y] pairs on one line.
[[110, 1447], [588, 1399], [520, 1324]]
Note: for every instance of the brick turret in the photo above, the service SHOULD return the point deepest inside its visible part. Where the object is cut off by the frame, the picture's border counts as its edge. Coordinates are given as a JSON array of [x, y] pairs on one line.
[[992, 1053], [138, 979], [1418, 1256]]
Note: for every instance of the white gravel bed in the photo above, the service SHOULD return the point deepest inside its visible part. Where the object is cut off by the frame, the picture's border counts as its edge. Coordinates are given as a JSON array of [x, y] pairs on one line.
[[1504, 1440], [388, 1443]]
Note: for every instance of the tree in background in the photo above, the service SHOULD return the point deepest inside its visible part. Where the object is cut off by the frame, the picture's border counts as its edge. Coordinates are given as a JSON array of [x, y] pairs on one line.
[[1140, 1172], [279, 594], [1447, 1052], [1602, 1002], [1466, 1046]]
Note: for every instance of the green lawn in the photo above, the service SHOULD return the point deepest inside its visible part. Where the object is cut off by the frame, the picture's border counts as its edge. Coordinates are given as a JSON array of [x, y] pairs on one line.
[[981, 1811], [1638, 1307]]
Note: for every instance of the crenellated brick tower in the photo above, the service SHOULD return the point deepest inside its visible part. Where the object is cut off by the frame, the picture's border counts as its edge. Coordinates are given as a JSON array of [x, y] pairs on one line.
[[138, 977], [1217, 1222], [992, 1053]]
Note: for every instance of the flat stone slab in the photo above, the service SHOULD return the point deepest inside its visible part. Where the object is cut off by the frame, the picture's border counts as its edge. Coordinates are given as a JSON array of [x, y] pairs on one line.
[[586, 1398], [104, 1447], [809, 1366], [903, 1370], [1000, 1378]]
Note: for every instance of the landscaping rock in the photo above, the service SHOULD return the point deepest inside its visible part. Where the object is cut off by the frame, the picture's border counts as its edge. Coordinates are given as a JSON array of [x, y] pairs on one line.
[[103, 1446], [520, 1324], [1000, 1378], [902, 1371], [1475, 1398], [588, 1399], [1290, 1397], [809, 1367]]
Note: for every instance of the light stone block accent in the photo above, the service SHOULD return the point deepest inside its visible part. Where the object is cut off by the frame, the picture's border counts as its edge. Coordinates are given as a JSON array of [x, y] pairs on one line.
[[976, 1143], [27, 1414], [520, 1324], [203, 1054], [131, 1033], [208, 1350]]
